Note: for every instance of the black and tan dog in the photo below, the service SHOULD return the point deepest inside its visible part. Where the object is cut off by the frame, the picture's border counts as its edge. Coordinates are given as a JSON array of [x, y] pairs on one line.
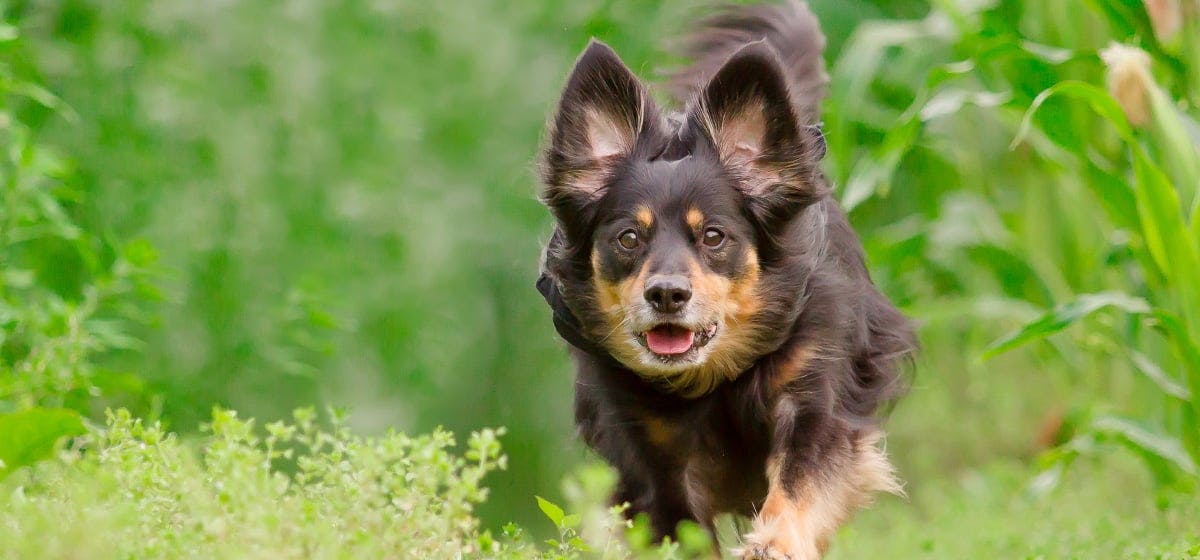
[[732, 351]]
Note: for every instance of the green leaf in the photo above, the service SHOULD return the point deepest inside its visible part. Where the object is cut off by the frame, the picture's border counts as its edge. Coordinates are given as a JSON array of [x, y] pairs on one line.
[[1100, 101], [1189, 356], [553, 512], [1172, 145], [1194, 228], [1162, 220], [29, 436], [1160, 378], [8, 32], [1114, 194], [693, 539], [1167, 237], [1064, 316], [1142, 439], [43, 97], [949, 101], [873, 174]]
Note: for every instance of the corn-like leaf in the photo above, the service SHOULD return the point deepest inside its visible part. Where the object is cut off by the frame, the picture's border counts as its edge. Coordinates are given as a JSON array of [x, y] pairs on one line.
[[1064, 316], [1114, 194], [872, 175], [1189, 356], [1162, 220], [1173, 145], [1167, 237], [1160, 378], [1151, 444], [1099, 100]]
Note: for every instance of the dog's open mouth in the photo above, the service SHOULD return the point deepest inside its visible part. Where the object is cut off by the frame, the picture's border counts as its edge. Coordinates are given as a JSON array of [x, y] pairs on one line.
[[671, 342]]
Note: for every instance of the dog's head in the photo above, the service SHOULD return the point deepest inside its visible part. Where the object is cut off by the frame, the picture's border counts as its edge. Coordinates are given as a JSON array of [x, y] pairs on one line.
[[669, 225]]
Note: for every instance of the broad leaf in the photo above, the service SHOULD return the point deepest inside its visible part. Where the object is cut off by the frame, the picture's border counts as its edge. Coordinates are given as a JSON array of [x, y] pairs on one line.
[[30, 435], [553, 512]]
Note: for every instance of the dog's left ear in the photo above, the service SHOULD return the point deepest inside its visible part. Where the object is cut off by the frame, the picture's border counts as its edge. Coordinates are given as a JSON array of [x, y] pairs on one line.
[[749, 118], [603, 111]]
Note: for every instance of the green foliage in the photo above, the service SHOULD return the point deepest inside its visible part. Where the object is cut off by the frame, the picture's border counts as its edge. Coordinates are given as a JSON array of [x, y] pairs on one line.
[[343, 199], [288, 490], [1168, 252], [343, 204], [65, 291], [1041, 154], [295, 491], [606, 534], [30, 435]]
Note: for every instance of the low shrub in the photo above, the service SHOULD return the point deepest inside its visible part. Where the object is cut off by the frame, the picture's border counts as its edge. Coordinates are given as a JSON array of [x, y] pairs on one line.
[[288, 490]]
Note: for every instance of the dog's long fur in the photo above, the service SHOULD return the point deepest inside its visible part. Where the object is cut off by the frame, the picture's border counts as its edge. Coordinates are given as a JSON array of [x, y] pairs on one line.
[[775, 416]]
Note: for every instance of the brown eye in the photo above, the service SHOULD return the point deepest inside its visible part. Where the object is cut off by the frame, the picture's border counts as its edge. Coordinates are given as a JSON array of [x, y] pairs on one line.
[[713, 238], [628, 239]]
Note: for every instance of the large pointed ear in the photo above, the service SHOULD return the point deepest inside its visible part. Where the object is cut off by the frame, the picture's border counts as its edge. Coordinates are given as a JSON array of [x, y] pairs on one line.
[[603, 111], [749, 118]]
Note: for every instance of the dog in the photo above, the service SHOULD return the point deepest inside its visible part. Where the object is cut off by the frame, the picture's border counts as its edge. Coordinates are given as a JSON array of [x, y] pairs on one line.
[[732, 353]]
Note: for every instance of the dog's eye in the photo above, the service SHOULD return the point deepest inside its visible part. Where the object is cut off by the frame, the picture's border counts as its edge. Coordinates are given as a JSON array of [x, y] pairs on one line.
[[628, 239], [713, 238]]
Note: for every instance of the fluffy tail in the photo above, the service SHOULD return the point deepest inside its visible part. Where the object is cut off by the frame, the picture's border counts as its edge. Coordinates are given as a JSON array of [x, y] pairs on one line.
[[790, 28]]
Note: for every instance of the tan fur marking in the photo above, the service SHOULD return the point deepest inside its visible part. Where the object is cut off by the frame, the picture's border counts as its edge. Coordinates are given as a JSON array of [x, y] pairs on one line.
[[738, 302], [799, 358], [695, 218], [645, 217], [799, 524], [612, 298], [743, 292], [659, 431]]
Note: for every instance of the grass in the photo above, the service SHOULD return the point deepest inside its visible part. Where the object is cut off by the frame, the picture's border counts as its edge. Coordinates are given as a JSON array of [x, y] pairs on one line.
[[1101, 510], [982, 480]]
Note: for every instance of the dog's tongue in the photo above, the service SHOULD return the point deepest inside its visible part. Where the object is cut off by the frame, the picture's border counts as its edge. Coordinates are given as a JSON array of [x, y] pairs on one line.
[[669, 340]]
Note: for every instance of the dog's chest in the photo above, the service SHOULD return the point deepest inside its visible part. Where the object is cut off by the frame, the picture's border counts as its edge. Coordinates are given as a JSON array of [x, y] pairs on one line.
[[723, 451]]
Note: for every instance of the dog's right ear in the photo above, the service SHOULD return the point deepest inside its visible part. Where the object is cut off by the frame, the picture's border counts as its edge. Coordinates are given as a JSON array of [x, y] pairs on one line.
[[603, 111]]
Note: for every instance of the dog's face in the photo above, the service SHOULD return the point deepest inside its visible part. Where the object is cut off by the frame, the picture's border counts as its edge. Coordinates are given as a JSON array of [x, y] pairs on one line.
[[670, 224], [674, 268]]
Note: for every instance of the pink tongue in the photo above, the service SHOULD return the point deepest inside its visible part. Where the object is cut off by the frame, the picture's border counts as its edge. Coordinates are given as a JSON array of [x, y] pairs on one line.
[[669, 340]]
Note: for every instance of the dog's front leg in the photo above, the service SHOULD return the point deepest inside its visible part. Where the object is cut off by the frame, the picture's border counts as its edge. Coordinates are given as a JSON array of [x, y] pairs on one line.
[[819, 472]]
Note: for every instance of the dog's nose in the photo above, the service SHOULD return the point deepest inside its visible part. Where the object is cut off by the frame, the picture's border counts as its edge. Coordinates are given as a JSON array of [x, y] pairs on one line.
[[668, 294]]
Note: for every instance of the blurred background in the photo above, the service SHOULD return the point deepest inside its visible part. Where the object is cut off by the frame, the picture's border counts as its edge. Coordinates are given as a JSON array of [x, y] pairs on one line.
[[333, 202]]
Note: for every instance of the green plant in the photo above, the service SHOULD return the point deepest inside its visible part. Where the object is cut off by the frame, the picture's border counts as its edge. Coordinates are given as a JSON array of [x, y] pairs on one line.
[[1026, 187], [1155, 199], [604, 533], [287, 490], [65, 291], [297, 491]]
